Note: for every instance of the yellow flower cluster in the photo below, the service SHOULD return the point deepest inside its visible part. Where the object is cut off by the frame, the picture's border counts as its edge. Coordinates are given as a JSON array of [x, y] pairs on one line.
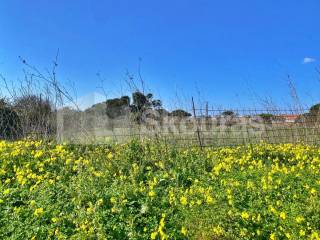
[[143, 190]]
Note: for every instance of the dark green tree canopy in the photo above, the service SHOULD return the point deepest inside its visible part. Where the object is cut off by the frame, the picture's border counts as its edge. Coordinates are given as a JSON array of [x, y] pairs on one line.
[[117, 106], [180, 113], [267, 117], [118, 102], [315, 109], [142, 102], [228, 113]]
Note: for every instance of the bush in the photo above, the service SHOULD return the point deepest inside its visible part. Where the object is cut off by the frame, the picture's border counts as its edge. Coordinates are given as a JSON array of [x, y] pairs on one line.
[[180, 113], [10, 124], [36, 115]]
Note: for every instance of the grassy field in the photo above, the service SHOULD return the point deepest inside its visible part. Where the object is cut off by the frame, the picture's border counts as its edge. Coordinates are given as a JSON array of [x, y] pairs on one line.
[[148, 190]]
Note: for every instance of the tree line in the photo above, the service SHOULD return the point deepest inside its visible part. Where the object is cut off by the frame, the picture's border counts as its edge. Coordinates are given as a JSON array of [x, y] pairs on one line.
[[35, 116]]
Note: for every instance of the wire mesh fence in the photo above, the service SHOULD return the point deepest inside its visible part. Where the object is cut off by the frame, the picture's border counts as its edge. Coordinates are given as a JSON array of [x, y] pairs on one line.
[[205, 127]]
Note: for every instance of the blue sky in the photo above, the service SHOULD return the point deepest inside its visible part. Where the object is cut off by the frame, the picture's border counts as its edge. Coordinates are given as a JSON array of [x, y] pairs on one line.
[[216, 51]]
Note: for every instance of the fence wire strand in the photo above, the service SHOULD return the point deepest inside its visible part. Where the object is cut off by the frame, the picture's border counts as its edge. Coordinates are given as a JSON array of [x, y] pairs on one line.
[[215, 128]]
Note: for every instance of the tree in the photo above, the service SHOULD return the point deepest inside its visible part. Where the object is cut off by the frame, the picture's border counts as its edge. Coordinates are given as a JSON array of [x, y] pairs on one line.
[[314, 114], [179, 113], [267, 117], [310, 117], [228, 113], [229, 118], [117, 106], [141, 103], [315, 109]]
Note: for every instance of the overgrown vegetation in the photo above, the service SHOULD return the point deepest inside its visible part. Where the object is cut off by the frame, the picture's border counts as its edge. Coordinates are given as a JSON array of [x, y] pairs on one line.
[[149, 190], [10, 124], [27, 116]]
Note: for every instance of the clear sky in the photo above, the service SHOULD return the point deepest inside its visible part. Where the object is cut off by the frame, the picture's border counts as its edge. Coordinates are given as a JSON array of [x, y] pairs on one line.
[[224, 50]]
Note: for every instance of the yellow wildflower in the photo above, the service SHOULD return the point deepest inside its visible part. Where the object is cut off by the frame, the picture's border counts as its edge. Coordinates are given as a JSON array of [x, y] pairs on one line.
[[38, 212], [6, 192], [272, 236], [313, 191], [183, 231], [152, 194], [245, 215], [183, 200], [283, 215], [110, 155], [299, 219], [209, 199], [302, 233], [153, 235]]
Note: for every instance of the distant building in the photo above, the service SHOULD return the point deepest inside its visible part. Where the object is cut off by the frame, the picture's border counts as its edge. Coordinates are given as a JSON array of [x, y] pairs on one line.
[[289, 118]]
